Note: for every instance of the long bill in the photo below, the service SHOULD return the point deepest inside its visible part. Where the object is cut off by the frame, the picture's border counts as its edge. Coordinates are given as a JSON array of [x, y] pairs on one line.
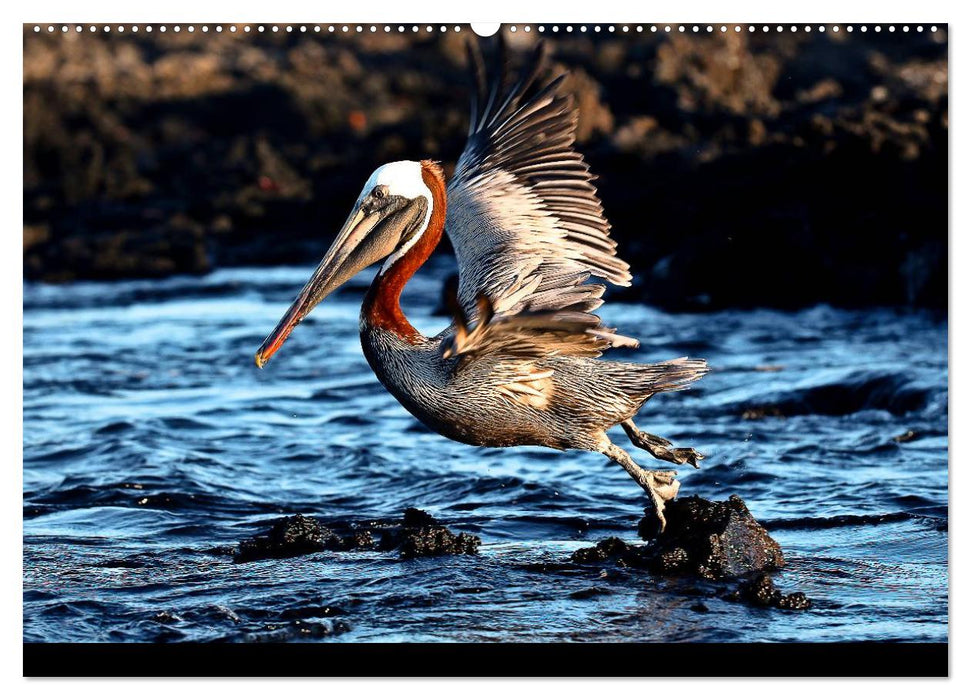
[[338, 266]]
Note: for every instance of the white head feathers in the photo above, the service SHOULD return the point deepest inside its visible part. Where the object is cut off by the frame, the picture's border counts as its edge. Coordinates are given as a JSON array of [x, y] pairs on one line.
[[402, 178]]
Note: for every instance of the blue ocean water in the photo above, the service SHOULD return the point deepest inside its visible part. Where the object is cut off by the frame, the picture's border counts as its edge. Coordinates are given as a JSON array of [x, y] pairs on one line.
[[152, 445]]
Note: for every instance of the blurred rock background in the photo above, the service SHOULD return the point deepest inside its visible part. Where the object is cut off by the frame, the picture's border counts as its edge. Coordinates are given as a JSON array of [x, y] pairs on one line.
[[738, 170]]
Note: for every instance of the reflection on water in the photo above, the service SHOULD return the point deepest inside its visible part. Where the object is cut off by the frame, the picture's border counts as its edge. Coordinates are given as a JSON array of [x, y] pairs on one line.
[[152, 443]]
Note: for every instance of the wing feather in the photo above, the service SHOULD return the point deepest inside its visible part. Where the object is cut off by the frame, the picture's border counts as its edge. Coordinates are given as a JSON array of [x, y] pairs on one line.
[[529, 335], [523, 214]]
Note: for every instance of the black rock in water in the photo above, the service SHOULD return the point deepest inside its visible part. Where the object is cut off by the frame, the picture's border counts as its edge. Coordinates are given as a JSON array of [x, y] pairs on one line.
[[417, 534], [711, 539], [761, 591], [289, 537], [715, 540], [420, 535]]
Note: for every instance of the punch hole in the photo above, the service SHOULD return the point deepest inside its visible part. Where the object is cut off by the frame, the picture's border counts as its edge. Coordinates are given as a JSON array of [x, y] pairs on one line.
[[485, 29]]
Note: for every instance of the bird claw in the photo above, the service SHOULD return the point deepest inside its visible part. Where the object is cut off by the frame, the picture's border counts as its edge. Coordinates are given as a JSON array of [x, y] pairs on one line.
[[689, 455], [662, 448], [661, 487]]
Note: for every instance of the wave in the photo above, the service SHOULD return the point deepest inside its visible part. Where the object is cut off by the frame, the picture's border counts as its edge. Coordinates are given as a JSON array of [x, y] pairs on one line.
[[895, 392]]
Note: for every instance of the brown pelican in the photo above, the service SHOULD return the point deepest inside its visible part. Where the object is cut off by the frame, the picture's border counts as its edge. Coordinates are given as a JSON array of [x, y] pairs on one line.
[[519, 364]]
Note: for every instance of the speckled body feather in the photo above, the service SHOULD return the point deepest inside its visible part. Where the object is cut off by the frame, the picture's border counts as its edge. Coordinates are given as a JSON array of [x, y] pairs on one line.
[[471, 401]]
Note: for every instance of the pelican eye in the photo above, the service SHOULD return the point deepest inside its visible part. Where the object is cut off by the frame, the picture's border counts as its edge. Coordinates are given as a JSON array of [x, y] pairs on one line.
[[380, 192]]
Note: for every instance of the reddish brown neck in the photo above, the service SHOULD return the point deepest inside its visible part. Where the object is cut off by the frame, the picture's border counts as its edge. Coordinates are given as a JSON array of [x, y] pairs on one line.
[[382, 307]]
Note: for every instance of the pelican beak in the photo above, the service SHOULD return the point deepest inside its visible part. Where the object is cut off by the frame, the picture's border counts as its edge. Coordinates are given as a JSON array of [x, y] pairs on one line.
[[372, 231], [340, 263]]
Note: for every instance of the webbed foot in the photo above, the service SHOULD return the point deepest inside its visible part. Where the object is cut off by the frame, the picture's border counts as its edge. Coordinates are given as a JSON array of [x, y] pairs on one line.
[[660, 447], [663, 487]]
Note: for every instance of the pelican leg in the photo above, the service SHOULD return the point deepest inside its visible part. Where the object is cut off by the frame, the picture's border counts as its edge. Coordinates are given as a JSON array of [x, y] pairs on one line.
[[659, 447], [660, 486]]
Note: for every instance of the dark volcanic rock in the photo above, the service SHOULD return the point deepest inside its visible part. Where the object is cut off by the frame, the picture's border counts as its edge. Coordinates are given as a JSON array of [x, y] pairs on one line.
[[761, 591], [614, 549], [420, 535], [417, 534], [818, 156], [714, 540], [289, 537]]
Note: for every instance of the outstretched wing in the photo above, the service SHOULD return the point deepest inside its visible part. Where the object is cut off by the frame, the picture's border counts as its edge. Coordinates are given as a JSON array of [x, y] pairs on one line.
[[523, 215]]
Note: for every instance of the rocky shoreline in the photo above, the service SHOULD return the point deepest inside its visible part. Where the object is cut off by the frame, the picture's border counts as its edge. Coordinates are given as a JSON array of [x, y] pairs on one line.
[[765, 170], [706, 541]]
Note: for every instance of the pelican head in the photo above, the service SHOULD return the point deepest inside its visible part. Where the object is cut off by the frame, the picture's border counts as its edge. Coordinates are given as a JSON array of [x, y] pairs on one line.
[[390, 214]]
